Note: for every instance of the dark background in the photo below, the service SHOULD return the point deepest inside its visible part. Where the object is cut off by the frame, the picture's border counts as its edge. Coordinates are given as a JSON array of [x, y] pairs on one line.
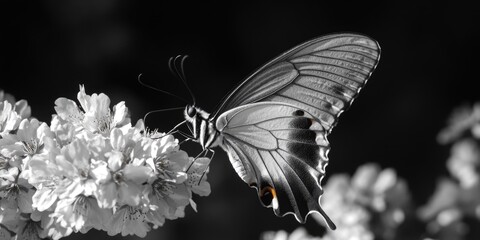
[[429, 65]]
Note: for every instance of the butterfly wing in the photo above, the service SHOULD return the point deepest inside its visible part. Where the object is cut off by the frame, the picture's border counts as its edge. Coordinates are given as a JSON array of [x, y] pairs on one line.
[[322, 76], [281, 150]]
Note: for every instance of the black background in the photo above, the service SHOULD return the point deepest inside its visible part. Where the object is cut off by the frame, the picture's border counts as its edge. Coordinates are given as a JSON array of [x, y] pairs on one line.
[[429, 65]]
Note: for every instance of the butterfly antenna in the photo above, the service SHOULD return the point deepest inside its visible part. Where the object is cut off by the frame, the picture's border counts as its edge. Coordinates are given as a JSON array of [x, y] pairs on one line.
[[159, 110], [139, 79], [176, 66]]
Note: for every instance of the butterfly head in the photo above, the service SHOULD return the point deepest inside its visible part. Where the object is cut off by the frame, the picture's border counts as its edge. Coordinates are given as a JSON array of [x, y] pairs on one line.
[[190, 112]]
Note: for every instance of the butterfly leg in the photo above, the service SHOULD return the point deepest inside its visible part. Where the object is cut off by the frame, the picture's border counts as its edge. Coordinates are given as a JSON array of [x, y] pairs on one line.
[[185, 135], [175, 128], [195, 159], [208, 167], [211, 151], [184, 141], [203, 174]]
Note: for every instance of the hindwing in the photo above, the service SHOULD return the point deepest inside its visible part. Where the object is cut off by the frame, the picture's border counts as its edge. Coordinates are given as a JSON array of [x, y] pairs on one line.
[[281, 150]]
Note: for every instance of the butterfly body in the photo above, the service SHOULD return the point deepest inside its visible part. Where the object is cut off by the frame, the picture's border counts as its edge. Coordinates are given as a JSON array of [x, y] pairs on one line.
[[201, 127], [274, 125]]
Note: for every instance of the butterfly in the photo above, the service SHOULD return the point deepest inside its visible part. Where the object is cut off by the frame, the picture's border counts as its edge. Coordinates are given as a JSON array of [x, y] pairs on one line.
[[274, 125]]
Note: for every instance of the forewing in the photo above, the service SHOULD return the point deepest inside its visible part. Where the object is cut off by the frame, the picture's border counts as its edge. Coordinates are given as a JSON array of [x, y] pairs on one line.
[[281, 150], [322, 76]]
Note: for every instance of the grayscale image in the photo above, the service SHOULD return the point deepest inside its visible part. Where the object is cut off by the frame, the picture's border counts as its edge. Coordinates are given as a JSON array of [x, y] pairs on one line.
[[264, 120]]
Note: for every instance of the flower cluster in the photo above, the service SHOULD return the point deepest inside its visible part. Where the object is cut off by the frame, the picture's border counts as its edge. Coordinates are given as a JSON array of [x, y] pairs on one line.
[[455, 203], [369, 205], [298, 234], [91, 168]]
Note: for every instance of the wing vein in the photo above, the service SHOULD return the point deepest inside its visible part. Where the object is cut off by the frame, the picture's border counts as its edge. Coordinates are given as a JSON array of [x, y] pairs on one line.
[[299, 159], [293, 99], [328, 64], [263, 121], [328, 72], [246, 156], [294, 199], [374, 59], [341, 59], [333, 96], [348, 45], [327, 79]]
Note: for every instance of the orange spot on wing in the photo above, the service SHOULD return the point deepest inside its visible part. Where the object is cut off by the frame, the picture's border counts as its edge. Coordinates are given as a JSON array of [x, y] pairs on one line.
[[270, 190]]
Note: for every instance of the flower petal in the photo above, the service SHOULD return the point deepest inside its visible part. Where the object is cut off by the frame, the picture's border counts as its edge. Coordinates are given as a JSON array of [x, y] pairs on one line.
[[130, 193], [44, 198], [115, 160], [137, 174], [120, 114], [106, 195], [68, 110], [117, 139]]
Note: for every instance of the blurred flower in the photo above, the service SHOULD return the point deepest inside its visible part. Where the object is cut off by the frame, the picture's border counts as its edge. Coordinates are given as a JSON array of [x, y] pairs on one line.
[[443, 213], [464, 162], [458, 199], [463, 120], [298, 234], [5, 233], [9, 219], [371, 204], [350, 216], [6, 97]]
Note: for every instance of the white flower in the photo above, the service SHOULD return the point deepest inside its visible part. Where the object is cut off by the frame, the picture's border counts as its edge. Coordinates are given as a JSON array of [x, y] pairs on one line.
[[81, 213], [9, 219], [464, 162], [6, 97], [463, 120], [346, 209], [45, 176], [122, 177], [354, 204], [90, 169], [11, 113], [29, 229], [197, 176], [5, 234], [168, 189], [9, 119], [128, 220], [31, 138], [63, 130], [96, 116], [15, 192]]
